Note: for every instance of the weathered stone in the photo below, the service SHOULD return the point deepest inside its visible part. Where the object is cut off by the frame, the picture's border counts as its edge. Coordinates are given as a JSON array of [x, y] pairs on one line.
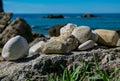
[[86, 45], [35, 49], [94, 36], [55, 30], [54, 47], [82, 33], [67, 29], [107, 37], [16, 48], [17, 27], [4, 19], [70, 42]]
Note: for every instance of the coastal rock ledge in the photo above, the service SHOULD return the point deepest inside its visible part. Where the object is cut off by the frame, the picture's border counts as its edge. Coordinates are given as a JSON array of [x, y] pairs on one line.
[[37, 66]]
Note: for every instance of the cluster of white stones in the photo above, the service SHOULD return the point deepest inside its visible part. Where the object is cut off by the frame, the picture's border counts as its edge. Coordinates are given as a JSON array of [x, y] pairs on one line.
[[71, 38]]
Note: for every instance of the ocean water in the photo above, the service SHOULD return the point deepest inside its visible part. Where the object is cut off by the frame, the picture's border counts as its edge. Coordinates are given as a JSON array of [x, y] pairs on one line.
[[41, 25]]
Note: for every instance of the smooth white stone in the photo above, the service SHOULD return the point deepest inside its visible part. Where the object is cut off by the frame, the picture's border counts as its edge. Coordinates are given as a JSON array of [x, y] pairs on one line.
[[36, 48], [86, 45], [16, 48]]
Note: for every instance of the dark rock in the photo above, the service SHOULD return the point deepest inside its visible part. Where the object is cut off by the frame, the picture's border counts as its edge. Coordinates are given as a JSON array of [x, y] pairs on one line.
[[18, 27], [54, 16], [4, 20], [37, 35], [55, 30], [88, 15], [1, 6], [37, 66]]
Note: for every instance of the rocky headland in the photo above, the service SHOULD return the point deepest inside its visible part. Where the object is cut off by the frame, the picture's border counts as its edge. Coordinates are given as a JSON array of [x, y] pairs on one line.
[[25, 54]]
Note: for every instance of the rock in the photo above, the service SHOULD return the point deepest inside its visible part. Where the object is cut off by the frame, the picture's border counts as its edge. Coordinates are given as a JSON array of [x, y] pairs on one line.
[[55, 30], [36, 40], [54, 16], [1, 6], [37, 67], [17, 27], [53, 47], [82, 33], [70, 42], [118, 42], [35, 49], [16, 48], [4, 19], [107, 37], [37, 35], [87, 15], [86, 45], [67, 29], [94, 36]]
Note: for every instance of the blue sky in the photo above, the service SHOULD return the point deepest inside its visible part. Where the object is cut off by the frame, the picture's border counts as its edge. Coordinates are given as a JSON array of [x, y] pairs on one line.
[[62, 6]]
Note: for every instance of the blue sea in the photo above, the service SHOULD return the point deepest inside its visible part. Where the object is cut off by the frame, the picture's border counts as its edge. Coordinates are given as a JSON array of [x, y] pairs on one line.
[[41, 25]]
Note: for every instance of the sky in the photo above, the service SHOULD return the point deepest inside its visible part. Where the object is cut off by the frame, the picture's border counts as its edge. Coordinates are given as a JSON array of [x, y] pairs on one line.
[[62, 6]]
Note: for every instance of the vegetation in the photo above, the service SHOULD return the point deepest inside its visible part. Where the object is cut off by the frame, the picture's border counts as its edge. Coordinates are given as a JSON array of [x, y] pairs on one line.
[[86, 73]]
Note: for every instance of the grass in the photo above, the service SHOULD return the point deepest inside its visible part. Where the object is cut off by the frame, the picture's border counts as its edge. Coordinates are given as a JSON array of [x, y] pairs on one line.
[[85, 73]]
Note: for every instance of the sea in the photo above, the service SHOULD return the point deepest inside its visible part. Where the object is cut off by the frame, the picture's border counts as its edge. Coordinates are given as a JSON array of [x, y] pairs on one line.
[[41, 25]]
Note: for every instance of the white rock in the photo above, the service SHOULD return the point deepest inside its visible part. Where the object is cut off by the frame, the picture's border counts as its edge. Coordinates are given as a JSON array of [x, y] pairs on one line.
[[86, 45], [94, 36], [16, 48], [67, 29], [36, 48], [82, 33]]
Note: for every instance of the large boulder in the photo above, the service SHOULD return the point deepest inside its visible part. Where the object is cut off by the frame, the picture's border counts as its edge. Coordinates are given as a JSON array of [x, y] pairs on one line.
[[16, 48], [4, 20], [107, 37], [55, 30], [18, 27], [82, 33], [67, 29]]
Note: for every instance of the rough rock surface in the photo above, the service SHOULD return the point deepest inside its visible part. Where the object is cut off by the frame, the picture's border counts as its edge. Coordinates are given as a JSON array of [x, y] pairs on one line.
[[36, 67], [70, 42], [4, 19], [53, 47], [107, 37], [55, 30], [82, 33], [17, 27], [16, 48]]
